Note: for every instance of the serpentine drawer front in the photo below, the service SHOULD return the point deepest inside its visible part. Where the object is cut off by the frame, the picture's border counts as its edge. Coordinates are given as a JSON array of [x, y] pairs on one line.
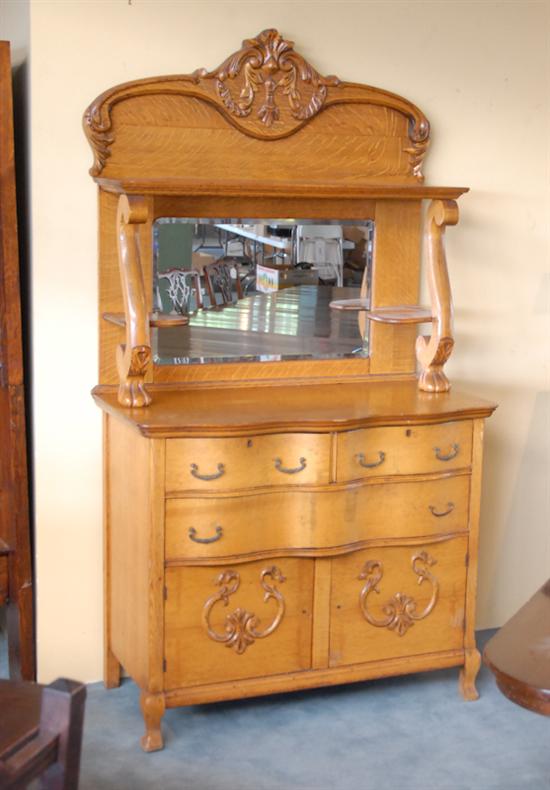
[[402, 601], [237, 621], [223, 526], [404, 450], [247, 462]]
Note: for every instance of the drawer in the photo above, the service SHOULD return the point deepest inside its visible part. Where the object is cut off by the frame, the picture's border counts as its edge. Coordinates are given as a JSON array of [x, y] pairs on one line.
[[403, 450], [240, 621], [247, 462], [396, 602], [274, 521]]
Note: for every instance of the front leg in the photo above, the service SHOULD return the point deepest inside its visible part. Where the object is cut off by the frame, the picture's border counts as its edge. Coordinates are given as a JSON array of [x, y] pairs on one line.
[[468, 674], [152, 707]]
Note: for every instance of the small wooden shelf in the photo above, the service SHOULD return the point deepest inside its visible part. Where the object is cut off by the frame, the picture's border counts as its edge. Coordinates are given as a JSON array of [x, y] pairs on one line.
[[400, 314], [155, 320]]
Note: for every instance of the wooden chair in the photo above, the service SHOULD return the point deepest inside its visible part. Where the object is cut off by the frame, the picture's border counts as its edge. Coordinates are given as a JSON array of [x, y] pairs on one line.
[[181, 284], [41, 734], [219, 281]]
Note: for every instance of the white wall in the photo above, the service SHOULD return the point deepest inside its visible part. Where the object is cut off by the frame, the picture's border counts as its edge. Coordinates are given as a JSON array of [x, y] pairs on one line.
[[479, 71]]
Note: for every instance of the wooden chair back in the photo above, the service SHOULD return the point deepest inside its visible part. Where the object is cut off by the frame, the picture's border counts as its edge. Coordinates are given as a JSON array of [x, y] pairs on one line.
[[219, 282], [41, 734]]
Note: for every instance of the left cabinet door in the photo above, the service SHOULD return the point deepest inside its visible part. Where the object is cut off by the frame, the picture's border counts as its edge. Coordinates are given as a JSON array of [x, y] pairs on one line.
[[237, 621]]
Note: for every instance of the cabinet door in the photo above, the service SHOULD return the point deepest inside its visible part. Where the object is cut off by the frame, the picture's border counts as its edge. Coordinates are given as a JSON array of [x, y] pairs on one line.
[[398, 601], [237, 621]]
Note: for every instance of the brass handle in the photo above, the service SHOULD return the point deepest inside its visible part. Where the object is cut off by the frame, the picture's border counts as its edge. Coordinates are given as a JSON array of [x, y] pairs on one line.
[[280, 468], [215, 476], [450, 506], [442, 457], [193, 535], [362, 461]]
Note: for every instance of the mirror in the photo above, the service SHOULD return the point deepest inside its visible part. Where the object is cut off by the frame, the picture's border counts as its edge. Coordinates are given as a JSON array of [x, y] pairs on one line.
[[259, 289]]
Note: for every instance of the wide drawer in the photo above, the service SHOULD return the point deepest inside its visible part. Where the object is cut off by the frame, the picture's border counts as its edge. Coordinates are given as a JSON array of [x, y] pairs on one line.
[[403, 450], [391, 602], [247, 462], [213, 527], [237, 621]]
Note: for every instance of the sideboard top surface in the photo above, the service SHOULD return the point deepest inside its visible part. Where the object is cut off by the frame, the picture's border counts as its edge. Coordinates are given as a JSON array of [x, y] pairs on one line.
[[319, 408]]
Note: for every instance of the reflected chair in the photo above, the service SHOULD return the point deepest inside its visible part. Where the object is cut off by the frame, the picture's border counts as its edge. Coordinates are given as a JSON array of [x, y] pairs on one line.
[[219, 282], [181, 284]]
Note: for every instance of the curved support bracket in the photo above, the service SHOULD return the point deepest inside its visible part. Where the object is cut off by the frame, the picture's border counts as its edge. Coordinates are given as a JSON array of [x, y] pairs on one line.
[[134, 357], [434, 351]]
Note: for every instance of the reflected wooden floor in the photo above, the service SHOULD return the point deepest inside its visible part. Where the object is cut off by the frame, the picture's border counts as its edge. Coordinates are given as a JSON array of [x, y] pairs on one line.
[[294, 323]]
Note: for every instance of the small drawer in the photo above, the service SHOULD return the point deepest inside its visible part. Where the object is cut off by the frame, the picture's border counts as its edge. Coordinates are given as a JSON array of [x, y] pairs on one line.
[[226, 526], [237, 621], [247, 462], [404, 450]]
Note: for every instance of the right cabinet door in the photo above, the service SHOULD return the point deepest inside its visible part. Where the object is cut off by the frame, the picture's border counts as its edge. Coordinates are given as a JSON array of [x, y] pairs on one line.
[[391, 602]]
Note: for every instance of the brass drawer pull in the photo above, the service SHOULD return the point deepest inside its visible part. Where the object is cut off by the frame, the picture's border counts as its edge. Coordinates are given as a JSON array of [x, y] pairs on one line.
[[193, 535], [280, 468], [362, 461], [450, 508], [442, 457], [215, 476]]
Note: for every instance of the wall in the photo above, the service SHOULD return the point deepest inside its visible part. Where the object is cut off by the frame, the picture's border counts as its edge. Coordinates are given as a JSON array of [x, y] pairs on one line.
[[479, 71]]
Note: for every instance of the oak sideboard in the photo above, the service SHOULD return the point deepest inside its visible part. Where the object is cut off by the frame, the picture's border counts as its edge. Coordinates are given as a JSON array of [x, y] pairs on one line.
[[292, 488]]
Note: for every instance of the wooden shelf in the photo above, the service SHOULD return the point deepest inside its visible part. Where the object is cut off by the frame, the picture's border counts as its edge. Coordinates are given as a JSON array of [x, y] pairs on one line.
[[155, 320], [400, 314], [186, 186]]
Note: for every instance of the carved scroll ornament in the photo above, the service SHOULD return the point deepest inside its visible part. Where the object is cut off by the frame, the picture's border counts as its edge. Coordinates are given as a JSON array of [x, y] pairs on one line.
[[400, 610], [242, 627]]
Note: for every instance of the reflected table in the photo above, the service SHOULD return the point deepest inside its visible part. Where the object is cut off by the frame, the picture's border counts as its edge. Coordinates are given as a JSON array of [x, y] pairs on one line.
[[293, 323]]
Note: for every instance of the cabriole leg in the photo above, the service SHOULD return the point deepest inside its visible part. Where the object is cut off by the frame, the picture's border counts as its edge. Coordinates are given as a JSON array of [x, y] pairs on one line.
[[152, 707], [468, 674]]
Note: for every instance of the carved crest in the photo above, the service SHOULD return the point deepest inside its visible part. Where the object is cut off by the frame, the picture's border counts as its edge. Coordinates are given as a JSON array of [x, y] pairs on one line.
[[267, 71], [267, 91]]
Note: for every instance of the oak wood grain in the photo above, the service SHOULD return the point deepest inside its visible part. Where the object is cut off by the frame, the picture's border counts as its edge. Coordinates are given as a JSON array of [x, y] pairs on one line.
[[353, 637], [335, 516], [206, 465], [287, 649], [314, 408], [404, 450], [293, 681], [135, 534]]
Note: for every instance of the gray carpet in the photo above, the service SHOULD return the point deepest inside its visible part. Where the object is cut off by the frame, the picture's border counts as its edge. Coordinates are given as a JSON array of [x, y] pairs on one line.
[[408, 733]]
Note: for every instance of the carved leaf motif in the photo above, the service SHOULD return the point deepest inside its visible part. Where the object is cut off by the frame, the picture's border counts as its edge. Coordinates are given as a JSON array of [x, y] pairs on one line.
[[241, 627], [270, 61], [401, 610]]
